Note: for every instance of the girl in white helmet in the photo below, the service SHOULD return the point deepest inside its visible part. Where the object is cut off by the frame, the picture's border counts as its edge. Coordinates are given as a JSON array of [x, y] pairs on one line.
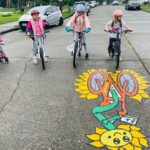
[[115, 25], [80, 24]]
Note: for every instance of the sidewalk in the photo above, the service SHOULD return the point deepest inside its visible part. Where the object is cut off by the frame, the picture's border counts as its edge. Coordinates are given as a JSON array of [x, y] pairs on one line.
[[8, 27]]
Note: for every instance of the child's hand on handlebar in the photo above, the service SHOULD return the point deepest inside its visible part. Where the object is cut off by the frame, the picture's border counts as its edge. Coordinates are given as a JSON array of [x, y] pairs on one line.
[[28, 33], [68, 29], [87, 30]]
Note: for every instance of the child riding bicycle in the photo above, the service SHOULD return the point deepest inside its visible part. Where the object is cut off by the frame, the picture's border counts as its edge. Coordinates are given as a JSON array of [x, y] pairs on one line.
[[113, 27], [2, 53], [35, 29], [81, 25]]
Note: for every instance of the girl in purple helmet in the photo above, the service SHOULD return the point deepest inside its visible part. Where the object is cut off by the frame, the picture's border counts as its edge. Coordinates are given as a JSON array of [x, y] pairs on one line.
[[80, 24]]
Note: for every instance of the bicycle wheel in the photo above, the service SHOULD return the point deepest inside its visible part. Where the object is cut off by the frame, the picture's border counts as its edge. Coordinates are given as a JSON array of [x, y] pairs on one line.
[[42, 58], [117, 54], [75, 55], [94, 83], [127, 83], [80, 48]]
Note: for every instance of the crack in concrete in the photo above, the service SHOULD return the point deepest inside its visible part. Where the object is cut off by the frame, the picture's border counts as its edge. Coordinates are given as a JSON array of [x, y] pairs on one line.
[[17, 87], [146, 69]]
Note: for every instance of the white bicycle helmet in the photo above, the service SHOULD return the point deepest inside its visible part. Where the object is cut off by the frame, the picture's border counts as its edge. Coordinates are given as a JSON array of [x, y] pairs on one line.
[[80, 8]]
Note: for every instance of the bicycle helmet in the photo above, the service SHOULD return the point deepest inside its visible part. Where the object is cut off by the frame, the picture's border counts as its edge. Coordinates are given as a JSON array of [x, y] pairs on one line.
[[117, 13], [80, 8], [34, 12]]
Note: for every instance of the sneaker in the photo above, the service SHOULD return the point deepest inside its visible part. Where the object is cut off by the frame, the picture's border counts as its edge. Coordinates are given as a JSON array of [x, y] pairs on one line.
[[45, 59], [35, 60], [108, 56], [120, 58], [86, 55]]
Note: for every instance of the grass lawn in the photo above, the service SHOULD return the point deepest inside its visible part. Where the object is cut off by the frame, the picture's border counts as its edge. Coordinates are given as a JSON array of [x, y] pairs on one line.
[[145, 7], [67, 11], [9, 18]]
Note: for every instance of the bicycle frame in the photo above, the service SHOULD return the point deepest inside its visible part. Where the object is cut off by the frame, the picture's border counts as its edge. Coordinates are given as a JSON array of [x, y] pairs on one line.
[[78, 43]]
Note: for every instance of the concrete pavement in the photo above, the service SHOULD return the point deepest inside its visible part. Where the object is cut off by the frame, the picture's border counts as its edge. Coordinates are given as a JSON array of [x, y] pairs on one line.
[[40, 109]]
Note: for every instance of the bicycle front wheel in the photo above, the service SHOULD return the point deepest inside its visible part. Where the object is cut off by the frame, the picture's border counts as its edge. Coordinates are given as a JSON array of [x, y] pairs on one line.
[[42, 58], [75, 55], [117, 54]]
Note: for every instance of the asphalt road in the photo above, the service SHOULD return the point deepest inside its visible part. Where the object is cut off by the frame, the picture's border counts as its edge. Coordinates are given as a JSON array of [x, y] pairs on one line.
[[39, 110]]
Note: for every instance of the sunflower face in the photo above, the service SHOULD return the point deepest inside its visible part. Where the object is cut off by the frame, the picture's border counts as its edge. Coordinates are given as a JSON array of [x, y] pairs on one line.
[[116, 138]]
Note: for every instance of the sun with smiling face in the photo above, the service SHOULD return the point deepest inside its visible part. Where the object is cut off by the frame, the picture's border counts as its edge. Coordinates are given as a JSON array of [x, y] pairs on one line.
[[125, 137]]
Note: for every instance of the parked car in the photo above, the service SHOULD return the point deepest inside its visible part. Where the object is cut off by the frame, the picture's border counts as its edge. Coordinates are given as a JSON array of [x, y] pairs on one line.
[[115, 3], [135, 5], [93, 4], [51, 14], [87, 8]]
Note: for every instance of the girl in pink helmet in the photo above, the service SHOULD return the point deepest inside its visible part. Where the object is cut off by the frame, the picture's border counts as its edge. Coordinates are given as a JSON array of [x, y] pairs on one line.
[[115, 25], [36, 28], [80, 24]]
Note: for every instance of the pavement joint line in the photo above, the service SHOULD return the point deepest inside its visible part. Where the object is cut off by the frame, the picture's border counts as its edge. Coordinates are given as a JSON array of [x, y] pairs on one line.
[[17, 87], [24, 58], [137, 55]]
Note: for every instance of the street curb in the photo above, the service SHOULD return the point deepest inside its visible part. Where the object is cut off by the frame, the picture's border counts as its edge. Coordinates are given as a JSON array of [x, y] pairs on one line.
[[10, 30], [17, 28], [146, 11]]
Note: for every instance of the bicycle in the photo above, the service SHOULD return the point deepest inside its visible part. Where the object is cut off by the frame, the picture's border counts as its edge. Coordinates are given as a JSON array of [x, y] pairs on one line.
[[77, 49], [39, 50], [116, 47]]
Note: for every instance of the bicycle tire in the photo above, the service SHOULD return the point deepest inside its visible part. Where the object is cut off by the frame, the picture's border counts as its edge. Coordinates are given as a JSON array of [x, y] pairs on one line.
[[117, 54], [42, 58], [132, 85], [75, 55], [92, 82], [80, 48]]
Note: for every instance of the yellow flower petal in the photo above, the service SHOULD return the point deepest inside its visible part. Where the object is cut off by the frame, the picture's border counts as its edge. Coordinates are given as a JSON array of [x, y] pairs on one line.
[[144, 142], [138, 97], [85, 92], [83, 96], [128, 147], [78, 90], [91, 96], [136, 142], [145, 95], [83, 87], [135, 128], [97, 144], [112, 148], [86, 74], [79, 80], [94, 137], [100, 131], [137, 134], [125, 127], [137, 148]]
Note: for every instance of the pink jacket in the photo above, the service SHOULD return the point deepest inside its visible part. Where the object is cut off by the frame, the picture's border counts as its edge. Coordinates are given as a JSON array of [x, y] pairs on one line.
[[79, 22], [32, 29]]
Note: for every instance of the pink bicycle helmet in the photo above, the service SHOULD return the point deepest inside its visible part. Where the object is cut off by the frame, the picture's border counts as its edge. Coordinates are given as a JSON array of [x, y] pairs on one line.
[[34, 12], [117, 13]]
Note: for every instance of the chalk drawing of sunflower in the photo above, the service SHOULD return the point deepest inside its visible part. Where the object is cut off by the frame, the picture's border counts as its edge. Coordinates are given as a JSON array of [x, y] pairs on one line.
[[125, 137]]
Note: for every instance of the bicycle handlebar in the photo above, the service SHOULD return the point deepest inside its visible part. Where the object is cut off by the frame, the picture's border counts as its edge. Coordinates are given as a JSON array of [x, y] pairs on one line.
[[123, 31]]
